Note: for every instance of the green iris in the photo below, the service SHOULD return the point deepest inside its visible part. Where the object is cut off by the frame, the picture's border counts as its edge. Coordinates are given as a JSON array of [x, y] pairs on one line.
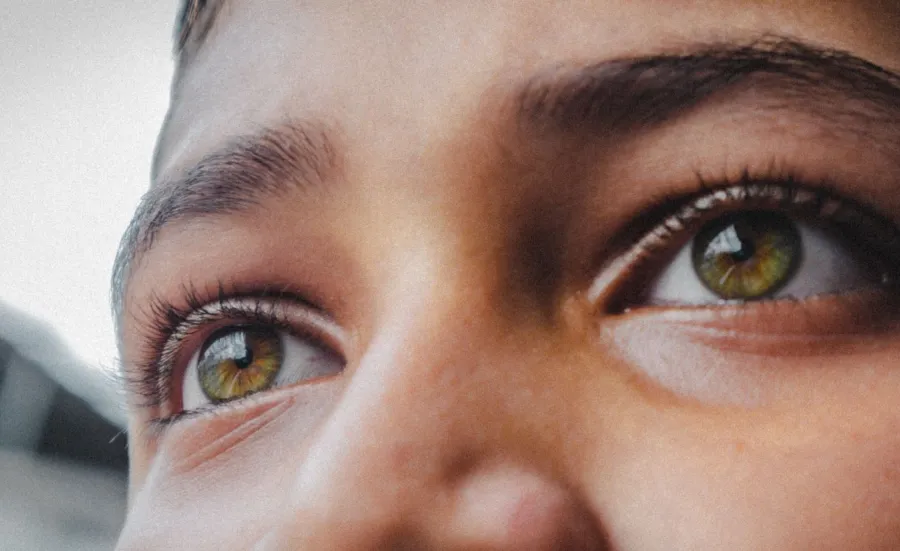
[[239, 361], [747, 255]]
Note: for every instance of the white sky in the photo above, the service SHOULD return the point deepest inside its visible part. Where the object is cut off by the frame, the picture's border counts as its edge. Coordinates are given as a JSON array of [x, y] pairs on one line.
[[84, 90]]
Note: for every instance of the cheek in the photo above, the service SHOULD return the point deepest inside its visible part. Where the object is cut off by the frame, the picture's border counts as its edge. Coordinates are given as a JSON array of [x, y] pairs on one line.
[[824, 478], [226, 501], [226, 479]]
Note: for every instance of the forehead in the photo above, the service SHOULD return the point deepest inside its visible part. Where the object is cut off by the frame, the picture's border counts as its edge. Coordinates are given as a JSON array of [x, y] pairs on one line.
[[390, 73]]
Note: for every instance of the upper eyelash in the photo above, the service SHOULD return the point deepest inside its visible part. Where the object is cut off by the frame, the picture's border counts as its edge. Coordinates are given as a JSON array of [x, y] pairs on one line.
[[817, 201], [168, 326], [787, 187]]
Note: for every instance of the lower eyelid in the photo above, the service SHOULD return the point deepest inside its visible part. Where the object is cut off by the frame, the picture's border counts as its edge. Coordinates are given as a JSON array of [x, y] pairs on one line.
[[725, 368], [861, 314], [753, 354]]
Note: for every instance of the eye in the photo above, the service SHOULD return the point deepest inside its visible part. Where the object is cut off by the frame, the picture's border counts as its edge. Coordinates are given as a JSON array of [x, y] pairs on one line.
[[759, 255], [768, 242], [235, 362]]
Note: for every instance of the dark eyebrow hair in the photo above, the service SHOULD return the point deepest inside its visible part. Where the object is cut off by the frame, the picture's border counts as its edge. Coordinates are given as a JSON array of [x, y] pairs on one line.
[[625, 94], [271, 162], [614, 96]]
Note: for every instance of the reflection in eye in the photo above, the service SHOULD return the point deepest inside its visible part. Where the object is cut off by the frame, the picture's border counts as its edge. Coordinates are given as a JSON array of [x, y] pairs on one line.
[[238, 361], [760, 255]]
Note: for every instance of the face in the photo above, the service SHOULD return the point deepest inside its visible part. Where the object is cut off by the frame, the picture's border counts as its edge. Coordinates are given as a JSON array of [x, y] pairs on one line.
[[521, 275]]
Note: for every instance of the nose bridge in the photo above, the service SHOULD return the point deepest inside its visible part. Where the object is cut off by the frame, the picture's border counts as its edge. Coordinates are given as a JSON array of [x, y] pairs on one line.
[[418, 418], [439, 440], [407, 416]]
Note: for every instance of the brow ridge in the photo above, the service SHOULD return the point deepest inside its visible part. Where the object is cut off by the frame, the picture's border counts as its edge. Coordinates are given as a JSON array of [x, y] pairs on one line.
[[638, 93], [272, 162]]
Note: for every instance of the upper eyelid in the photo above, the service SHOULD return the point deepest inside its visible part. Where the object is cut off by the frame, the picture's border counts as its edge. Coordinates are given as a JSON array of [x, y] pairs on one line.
[[784, 183], [805, 200], [233, 310]]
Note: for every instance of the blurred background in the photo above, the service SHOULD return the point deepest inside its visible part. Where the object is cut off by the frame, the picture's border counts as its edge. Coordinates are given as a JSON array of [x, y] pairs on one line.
[[84, 91]]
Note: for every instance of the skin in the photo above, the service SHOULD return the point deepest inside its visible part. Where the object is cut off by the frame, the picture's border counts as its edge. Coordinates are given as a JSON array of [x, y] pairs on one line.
[[481, 408]]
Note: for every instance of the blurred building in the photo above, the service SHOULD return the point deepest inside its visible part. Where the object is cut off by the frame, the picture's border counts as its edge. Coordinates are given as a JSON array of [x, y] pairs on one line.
[[63, 464], [85, 89]]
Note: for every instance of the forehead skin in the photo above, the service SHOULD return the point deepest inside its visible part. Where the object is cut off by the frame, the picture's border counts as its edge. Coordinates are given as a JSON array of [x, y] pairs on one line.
[[411, 90], [390, 68]]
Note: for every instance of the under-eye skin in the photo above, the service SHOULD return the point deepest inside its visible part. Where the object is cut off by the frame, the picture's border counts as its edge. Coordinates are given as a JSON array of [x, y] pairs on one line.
[[219, 350], [756, 240]]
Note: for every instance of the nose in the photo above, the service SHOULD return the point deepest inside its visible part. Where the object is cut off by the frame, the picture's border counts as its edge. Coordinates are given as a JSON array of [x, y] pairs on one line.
[[499, 508], [430, 447]]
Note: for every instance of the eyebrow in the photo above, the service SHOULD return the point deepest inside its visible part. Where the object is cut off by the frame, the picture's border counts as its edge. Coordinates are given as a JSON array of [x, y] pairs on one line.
[[616, 96], [627, 94], [296, 156]]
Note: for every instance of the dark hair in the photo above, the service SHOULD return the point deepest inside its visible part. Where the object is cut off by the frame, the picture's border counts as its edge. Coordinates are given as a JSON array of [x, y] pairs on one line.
[[194, 22]]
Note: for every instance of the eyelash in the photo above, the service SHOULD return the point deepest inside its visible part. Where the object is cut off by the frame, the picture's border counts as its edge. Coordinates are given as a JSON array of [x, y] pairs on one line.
[[171, 326], [662, 227]]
